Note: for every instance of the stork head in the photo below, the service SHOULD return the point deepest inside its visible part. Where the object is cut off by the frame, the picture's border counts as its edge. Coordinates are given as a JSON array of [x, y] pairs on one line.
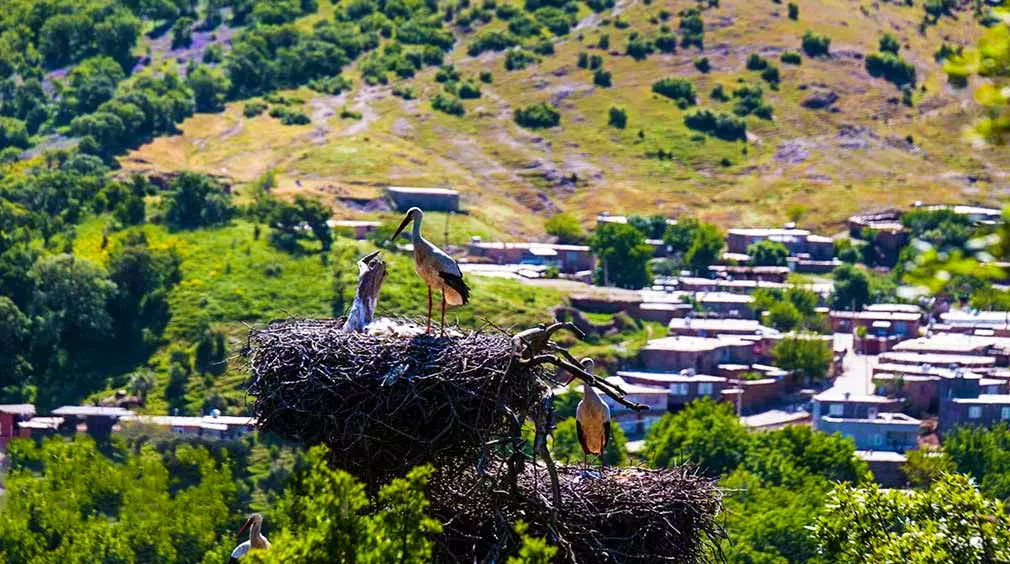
[[587, 365], [254, 518], [413, 214]]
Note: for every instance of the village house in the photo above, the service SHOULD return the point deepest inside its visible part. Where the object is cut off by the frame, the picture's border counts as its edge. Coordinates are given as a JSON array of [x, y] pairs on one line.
[[567, 258], [888, 233], [713, 327], [960, 344], [982, 323], [39, 428], [777, 274], [724, 304], [636, 423], [799, 242], [662, 312], [975, 363], [359, 228], [428, 199], [985, 410], [10, 416], [888, 431], [681, 387], [831, 403], [701, 354], [98, 420], [976, 214], [210, 427], [877, 323]]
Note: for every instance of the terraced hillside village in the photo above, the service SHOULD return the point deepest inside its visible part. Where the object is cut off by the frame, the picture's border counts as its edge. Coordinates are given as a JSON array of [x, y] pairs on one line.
[[822, 133]]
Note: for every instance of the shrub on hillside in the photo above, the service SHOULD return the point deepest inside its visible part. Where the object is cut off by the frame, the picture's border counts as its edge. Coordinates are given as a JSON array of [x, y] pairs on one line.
[[195, 201], [469, 90], [536, 116], [718, 93], [702, 64], [404, 91], [602, 78], [756, 62], [448, 104], [791, 58], [491, 40], [891, 67], [486, 77], [566, 228], [794, 11], [639, 49], [295, 117], [666, 43], [618, 117], [771, 76], [723, 126], [816, 44], [518, 58], [675, 89], [604, 42], [889, 44], [692, 28], [545, 48]]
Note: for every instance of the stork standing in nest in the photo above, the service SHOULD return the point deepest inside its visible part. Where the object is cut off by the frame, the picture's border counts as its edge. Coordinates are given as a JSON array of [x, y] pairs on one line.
[[437, 269], [592, 419], [256, 538]]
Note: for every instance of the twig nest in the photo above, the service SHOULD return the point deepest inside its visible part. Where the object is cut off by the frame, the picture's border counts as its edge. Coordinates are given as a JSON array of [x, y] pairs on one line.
[[384, 403], [624, 515]]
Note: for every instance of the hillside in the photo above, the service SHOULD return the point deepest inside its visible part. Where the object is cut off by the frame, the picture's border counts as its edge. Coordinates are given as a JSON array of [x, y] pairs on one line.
[[866, 149]]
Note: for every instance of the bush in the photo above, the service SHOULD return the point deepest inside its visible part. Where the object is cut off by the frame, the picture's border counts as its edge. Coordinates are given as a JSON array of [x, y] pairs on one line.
[[749, 100], [702, 64], [518, 58], [545, 48], [583, 60], [891, 67], [791, 58], [771, 75], [595, 62], [718, 93], [618, 117], [675, 89], [196, 200], [566, 228], [604, 42], [639, 49], [666, 43], [447, 73], [13, 133], [889, 44], [486, 77], [404, 91], [346, 113], [469, 90], [692, 28], [537, 116], [448, 104], [756, 62], [602, 78], [723, 126], [815, 44], [296, 117], [491, 40], [794, 11]]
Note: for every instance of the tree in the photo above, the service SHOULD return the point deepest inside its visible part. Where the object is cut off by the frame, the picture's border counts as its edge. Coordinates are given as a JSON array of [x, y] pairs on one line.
[[566, 447], [951, 522], [889, 44], [679, 236], [815, 44], [852, 288], [990, 60], [15, 334], [768, 253], [983, 454], [210, 88], [807, 356], [537, 116], [141, 383], [623, 255], [182, 33], [290, 223], [784, 316], [706, 247], [617, 117], [786, 456], [73, 294], [197, 201], [566, 228], [926, 466], [13, 133], [705, 433]]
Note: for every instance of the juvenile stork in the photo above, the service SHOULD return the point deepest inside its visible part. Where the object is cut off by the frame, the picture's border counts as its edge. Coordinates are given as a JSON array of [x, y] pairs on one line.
[[256, 538], [436, 268], [592, 419]]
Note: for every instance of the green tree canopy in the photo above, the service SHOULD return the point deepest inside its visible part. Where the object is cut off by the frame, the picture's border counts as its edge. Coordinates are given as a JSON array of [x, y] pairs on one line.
[[623, 255], [803, 355], [768, 253], [705, 433], [566, 228], [852, 288]]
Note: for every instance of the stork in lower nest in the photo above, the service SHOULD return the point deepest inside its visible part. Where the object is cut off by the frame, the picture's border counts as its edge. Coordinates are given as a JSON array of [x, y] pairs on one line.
[[437, 269]]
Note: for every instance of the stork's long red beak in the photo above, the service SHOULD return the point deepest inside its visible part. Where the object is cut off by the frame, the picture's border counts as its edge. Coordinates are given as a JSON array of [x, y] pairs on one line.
[[403, 224], [245, 527]]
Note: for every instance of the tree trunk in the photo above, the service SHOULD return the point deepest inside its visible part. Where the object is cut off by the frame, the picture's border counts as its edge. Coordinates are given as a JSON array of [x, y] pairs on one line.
[[371, 274]]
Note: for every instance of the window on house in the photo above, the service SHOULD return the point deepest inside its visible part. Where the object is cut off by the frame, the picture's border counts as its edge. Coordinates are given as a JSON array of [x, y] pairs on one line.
[[871, 413], [1004, 413], [836, 410], [878, 439], [975, 412], [705, 389], [678, 389]]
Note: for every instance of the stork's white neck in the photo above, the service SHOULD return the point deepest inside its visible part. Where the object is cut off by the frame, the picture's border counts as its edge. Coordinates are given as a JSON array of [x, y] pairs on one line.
[[588, 393], [417, 227]]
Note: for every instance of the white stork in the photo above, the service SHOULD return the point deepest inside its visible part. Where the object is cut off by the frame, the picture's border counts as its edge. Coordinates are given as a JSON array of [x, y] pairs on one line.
[[592, 419], [436, 268], [256, 538]]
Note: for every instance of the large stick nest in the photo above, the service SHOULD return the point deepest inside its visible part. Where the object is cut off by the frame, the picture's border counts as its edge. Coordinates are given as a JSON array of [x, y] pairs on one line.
[[627, 515], [384, 404]]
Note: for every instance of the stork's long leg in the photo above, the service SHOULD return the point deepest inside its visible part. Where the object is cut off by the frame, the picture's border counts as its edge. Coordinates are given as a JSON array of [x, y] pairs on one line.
[[428, 328], [443, 312]]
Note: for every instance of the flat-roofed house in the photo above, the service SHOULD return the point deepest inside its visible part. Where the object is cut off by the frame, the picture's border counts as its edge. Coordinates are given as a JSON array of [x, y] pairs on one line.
[[10, 415], [877, 323], [888, 233], [637, 423], [701, 354], [428, 199], [681, 387], [960, 344], [888, 431], [211, 427], [984, 410], [777, 274], [567, 258], [851, 406], [39, 428], [98, 420], [725, 304], [797, 241], [713, 327]]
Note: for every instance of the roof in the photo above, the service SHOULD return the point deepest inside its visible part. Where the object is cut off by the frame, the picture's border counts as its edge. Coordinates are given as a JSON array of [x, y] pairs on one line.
[[936, 359], [91, 411], [532, 246], [814, 238], [881, 456], [665, 306], [352, 223], [747, 269], [768, 232], [422, 191], [774, 418], [974, 318], [723, 298], [665, 378], [907, 308], [952, 343], [837, 396], [876, 315], [18, 408], [969, 210], [692, 344], [222, 421], [985, 399], [639, 389], [879, 419], [41, 423], [716, 325]]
